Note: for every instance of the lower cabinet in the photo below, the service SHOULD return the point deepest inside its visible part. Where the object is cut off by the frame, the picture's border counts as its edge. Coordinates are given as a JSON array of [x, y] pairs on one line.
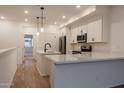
[[42, 65]]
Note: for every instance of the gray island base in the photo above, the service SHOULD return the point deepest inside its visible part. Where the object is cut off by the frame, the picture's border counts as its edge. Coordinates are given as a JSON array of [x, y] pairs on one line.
[[96, 70]]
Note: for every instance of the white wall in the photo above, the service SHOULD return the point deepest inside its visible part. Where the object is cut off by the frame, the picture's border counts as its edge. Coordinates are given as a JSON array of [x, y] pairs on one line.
[[50, 35], [8, 34], [117, 28], [51, 29], [116, 37], [12, 35], [63, 31]]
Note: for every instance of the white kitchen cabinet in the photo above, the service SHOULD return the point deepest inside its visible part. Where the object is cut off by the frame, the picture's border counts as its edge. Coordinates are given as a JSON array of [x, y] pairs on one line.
[[94, 31], [42, 64], [98, 31], [84, 28], [79, 30], [74, 33], [90, 32]]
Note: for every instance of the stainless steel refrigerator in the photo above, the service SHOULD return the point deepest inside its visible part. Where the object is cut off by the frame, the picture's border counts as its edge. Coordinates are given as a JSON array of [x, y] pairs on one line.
[[62, 44]]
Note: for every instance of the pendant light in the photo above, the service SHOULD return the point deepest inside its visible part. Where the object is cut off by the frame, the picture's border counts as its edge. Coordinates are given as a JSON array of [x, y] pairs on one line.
[[42, 17], [38, 26]]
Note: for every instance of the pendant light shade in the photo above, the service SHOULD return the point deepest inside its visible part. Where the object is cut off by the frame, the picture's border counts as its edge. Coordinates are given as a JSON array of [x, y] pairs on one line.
[[42, 29], [42, 17], [37, 26]]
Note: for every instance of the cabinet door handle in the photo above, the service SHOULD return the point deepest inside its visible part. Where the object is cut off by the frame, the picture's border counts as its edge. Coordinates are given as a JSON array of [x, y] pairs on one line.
[[92, 39]]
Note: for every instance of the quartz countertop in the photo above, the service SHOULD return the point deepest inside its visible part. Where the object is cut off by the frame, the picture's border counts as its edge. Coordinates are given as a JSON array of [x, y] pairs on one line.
[[85, 57]]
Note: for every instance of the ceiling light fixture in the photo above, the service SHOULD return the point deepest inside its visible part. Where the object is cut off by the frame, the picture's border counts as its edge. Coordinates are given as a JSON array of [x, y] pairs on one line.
[[26, 19], [26, 12], [37, 26], [63, 17], [78, 6], [55, 22], [42, 17], [2, 17]]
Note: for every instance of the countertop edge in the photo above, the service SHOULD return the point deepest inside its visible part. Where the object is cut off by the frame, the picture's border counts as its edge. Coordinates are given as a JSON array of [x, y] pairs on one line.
[[86, 61], [60, 62]]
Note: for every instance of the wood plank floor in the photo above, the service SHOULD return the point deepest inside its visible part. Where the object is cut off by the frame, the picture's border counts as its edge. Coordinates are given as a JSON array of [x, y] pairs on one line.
[[27, 76]]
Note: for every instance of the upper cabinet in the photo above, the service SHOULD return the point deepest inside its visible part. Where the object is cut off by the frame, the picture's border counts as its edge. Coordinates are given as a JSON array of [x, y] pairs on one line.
[[98, 32], [95, 22], [94, 31], [84, 28], [74, 33], [90, 32]]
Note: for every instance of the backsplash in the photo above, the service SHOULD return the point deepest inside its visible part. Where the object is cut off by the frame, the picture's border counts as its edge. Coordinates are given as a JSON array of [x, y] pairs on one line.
[[101, 47], [96, 47]]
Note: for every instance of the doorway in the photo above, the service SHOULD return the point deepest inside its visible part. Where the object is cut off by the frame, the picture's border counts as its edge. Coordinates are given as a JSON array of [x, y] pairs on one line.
[[28, 45]]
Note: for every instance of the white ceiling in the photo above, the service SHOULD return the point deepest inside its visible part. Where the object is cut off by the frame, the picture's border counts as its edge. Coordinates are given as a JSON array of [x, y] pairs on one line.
[[52, 12]]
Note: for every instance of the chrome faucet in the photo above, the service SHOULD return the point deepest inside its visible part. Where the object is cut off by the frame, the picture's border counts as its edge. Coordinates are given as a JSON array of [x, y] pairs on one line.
[[45, 46]]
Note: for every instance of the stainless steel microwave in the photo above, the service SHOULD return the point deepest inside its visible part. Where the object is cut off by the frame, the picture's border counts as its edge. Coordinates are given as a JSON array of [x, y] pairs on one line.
[[82, 38]]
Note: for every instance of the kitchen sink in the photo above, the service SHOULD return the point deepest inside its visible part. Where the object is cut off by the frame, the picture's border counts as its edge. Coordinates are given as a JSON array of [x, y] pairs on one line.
[[48, 52]]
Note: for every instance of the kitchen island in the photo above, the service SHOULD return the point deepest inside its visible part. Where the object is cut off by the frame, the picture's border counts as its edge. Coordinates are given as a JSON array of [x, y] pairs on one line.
[[42, 66], [87, 70]]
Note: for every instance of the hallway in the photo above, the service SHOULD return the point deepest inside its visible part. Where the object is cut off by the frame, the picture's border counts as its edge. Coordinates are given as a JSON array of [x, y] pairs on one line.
[[27, 76]]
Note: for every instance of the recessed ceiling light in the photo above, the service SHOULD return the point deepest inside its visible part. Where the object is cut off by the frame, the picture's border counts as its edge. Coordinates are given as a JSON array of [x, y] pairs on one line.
[[78, 6], [63, 17], [38, 33], [26, 19], [2, 17], [26, 12], [76, 18], [55, 23]]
